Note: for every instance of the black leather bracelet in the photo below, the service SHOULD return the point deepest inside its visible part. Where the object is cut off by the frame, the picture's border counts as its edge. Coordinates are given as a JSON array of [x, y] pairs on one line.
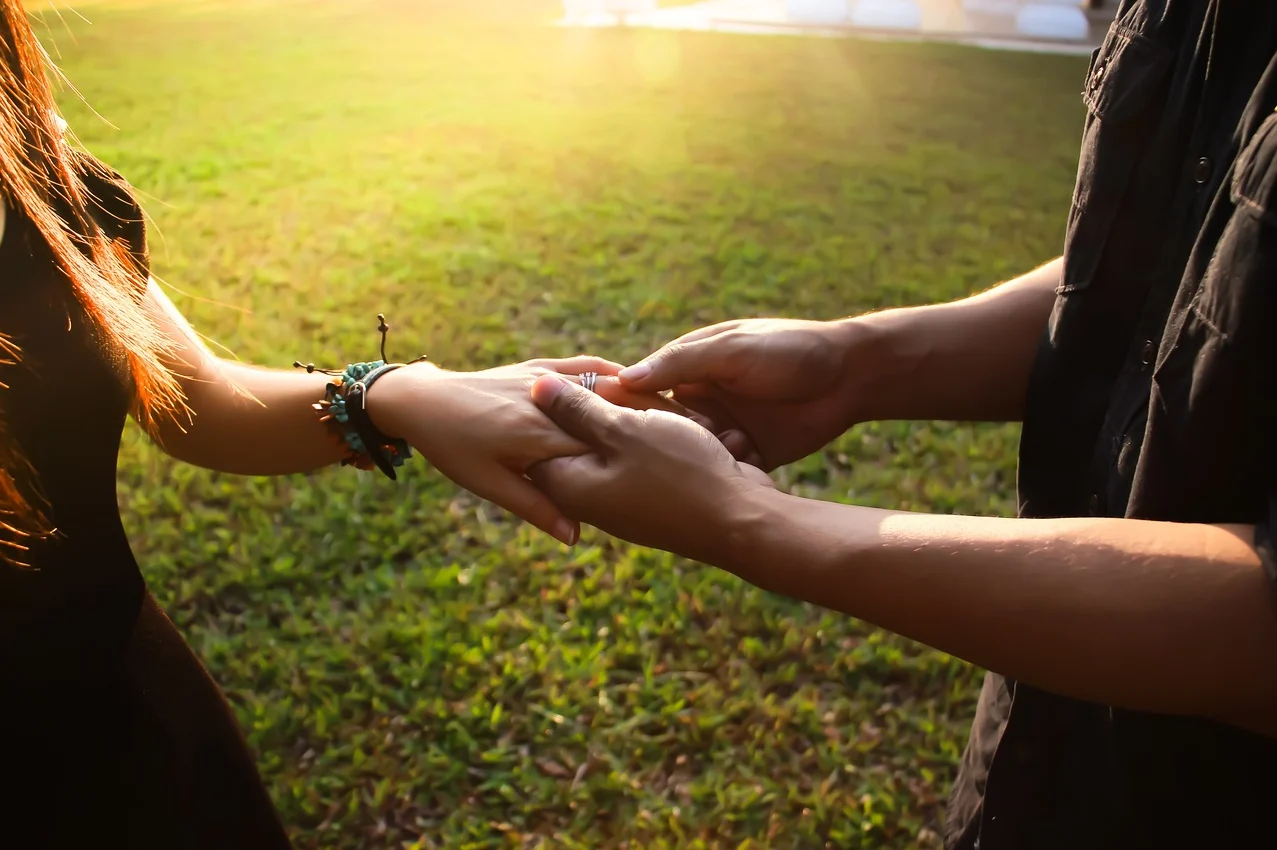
[[344, 409], [375, 441]]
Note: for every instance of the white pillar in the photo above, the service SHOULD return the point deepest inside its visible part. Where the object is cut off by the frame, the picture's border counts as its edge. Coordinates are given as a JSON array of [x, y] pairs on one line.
[[887, 14], [1062, 19]]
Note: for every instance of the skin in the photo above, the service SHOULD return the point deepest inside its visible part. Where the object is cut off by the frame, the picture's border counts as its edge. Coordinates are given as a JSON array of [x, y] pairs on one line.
[[1174, 618], [481, 429]]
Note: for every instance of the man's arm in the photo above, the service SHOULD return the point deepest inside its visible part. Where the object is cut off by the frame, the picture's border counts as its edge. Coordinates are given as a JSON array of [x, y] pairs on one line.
[[1156, 616], [775, 390], [1166, 617], [966, 360]]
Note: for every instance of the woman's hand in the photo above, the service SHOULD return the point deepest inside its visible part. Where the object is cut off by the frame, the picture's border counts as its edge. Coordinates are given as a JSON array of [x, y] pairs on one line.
[[649, 477], [483, 431]]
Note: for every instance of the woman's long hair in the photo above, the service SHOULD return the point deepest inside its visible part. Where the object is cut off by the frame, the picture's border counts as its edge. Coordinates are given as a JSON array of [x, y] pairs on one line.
[[39, 180]]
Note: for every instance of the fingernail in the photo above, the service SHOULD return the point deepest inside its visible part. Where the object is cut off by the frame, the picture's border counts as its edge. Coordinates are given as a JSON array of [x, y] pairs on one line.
[[566, 532], [637, 372], [547, 388]]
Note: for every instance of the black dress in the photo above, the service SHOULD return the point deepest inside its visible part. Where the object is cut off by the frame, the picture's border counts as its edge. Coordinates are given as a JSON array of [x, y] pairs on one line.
[[113, 733]]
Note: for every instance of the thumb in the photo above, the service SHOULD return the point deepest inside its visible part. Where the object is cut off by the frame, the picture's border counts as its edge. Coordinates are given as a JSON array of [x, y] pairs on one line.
[[700, 362], [579, 412]]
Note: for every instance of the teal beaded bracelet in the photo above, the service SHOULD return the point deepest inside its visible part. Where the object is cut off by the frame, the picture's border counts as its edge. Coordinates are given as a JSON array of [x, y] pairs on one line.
[[344, 410]]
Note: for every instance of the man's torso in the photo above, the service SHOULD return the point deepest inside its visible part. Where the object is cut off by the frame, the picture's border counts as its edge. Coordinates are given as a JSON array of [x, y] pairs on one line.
[[1152, 397]]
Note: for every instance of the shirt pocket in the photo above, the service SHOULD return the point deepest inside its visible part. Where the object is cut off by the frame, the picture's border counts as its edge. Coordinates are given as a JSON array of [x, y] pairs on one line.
[[1126, 75], [1235, 298], [1217, 359], [1254, 187]]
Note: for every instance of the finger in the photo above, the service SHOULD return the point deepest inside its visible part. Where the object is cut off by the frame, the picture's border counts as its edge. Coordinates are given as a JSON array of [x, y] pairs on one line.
[[520, 497], [580, 413], [712, 413], [676, 363], [689, 359], [577, 365], [704, 422], [737, 443], [566, 481], [614, 391], [708, 331], [540, 440]]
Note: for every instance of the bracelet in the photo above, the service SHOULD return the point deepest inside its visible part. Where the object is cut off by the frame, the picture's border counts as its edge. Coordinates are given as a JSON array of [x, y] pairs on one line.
[[344, 411]]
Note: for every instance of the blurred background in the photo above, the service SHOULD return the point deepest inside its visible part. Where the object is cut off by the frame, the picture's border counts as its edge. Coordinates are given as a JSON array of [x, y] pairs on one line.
[[413, 668]]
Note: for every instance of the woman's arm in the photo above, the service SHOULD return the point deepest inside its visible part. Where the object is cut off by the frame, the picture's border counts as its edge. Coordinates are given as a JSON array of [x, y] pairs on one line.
[[480, 429], [244, 419]]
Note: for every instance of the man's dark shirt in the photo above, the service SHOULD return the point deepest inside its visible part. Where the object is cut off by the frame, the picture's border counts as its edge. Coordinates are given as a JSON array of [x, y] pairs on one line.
[[1154, 396]]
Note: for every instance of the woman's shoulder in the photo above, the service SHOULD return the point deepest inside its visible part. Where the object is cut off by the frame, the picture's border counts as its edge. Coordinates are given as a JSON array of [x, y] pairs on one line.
[[112, 204]]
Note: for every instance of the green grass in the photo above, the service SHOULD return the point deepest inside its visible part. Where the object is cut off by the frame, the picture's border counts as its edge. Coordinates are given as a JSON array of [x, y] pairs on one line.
[[416, 670]]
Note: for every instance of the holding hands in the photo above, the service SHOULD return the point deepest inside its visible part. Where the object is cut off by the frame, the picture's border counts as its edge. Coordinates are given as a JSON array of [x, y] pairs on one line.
[[668, 472], [759, 394], [650, 477]]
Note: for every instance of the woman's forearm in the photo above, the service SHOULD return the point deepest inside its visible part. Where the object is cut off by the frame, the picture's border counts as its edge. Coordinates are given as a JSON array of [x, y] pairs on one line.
[[1156, 616], [242, 419], [251, 421], [967, 360]]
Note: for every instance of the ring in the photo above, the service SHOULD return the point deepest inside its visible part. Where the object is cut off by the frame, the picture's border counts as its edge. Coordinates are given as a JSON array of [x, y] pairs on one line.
[[588, 380]]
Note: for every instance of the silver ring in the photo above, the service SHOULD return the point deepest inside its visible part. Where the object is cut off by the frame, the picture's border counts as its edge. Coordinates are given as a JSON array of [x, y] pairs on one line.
[[588, 379]]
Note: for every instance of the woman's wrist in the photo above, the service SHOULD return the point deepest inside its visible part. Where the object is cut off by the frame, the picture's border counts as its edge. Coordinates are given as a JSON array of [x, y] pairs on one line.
[[393, 399]]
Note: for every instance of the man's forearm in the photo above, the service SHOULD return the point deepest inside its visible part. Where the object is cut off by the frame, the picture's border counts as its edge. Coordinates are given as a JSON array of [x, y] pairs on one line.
[[1165, 617], [967, 360]]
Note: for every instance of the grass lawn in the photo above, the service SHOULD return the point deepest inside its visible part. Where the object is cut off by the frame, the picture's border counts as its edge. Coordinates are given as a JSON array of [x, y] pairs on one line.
[[413, 668]]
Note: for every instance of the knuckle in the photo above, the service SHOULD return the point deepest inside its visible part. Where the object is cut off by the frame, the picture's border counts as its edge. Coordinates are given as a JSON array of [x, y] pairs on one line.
[[668, 355], [578, 402]]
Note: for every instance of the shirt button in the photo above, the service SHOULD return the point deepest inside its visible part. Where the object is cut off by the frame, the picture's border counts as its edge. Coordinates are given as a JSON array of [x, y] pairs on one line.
[[1202, 172], [1148, 352]]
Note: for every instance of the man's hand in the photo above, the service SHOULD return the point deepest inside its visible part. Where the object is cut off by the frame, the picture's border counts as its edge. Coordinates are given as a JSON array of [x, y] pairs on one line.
[[773, 390], [651, 477]]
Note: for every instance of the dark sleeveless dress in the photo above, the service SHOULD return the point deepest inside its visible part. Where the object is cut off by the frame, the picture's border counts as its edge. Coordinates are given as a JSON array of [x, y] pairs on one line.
[[113, 734]]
